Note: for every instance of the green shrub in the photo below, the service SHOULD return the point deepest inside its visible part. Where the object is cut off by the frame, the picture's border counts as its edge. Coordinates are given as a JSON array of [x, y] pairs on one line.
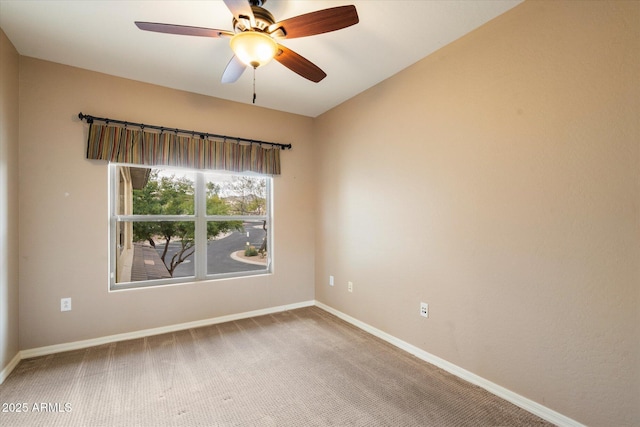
[[250, 251]]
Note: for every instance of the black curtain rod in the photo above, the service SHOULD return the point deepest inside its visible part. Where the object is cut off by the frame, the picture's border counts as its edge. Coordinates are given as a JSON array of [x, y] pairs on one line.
[[91, 119]]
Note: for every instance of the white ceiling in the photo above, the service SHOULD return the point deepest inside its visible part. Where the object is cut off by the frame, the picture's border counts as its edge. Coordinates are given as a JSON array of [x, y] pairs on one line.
[[100, 36]]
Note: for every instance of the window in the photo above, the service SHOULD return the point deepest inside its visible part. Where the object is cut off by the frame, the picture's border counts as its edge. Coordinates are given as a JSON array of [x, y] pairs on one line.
[[180, 225]]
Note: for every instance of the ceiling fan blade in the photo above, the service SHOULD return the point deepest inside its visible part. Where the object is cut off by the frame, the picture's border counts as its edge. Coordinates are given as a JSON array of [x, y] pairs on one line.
[[184, 30], [241, 9], [300, 65], [234, 70], [321, 21]]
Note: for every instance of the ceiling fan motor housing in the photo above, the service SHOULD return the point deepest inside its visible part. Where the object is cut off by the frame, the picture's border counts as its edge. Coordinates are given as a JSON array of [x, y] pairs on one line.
[[263, 19]]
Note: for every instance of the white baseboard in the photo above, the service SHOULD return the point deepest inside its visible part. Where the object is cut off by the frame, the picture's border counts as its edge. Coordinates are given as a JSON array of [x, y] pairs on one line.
[[7, 369], [518, 400], [76, 345]]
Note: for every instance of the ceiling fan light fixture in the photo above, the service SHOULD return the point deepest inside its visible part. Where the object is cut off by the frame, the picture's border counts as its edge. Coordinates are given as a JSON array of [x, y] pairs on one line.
[[254, 48]]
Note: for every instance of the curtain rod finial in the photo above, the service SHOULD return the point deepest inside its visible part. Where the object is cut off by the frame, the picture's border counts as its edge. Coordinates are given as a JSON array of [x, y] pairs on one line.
[[86, 117]]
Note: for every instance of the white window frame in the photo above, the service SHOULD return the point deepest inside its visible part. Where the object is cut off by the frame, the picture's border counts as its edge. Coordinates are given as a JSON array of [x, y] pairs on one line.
[[200, 218]]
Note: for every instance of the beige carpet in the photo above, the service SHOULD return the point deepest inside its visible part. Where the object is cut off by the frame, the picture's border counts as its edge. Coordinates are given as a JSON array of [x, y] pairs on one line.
[[298, 368]]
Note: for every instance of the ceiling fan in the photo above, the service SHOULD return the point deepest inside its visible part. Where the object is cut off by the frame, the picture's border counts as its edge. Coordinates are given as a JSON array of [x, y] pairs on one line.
[[255, 36]]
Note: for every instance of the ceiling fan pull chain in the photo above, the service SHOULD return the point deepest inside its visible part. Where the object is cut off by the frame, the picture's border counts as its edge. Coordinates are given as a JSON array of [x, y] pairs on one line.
[[254, 85]]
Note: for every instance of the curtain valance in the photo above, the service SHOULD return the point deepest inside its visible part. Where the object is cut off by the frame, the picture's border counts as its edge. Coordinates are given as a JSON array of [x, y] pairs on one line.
[[123, 144]]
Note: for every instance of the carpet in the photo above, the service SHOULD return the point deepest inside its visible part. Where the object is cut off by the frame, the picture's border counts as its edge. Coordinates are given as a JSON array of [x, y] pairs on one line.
[[302, 367]]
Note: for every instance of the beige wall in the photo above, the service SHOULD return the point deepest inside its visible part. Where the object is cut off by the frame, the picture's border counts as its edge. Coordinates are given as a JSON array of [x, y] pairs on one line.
[[63, 202], [9, 61], [498, 180]]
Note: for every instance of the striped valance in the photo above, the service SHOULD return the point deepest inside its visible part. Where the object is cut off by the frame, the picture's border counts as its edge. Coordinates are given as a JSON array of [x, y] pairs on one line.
[[138, 146]]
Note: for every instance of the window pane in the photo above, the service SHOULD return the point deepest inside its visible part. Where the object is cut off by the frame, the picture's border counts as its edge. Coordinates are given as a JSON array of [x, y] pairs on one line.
[[154, 250], [155, 192], [236, 195], [236, 246]]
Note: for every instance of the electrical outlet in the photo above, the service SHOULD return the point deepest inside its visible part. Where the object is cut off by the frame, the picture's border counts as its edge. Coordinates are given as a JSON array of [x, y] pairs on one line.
[[65, 304], [424, 309], [350, 286], [330, 280]]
